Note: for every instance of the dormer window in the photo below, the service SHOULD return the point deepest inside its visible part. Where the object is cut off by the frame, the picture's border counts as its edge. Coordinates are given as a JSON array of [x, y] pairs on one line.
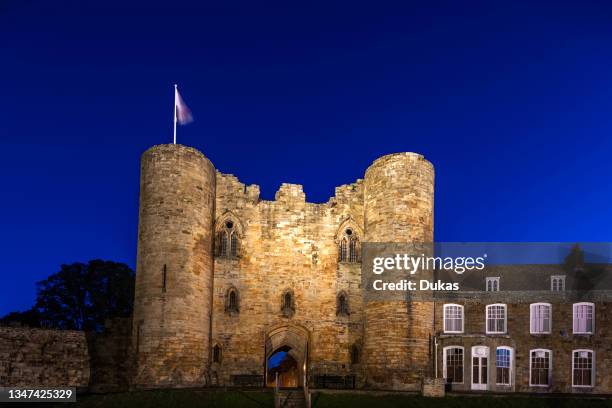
[[557, 283], [492, 284]]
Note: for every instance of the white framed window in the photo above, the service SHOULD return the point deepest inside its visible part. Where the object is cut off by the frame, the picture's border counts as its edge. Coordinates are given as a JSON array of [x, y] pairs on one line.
[[492, 284], [504, 365], [557, 283], [453, 364], [453, 318], [540, 367], [584, 318], [583, 368], [540, 318], [496, 318]]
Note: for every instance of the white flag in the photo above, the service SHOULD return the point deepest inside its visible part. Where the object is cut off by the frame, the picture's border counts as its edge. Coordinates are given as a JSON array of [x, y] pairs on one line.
[[182, 112]]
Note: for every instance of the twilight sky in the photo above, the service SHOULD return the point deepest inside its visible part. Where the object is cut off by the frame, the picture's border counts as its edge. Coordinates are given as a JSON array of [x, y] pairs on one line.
[[512, 103]]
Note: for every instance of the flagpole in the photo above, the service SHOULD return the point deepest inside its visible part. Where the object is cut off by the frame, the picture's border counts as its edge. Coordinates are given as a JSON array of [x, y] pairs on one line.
[[175, 101]]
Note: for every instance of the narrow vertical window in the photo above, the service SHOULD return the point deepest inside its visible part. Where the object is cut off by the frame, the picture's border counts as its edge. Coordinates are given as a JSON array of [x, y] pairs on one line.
[[138, 336], [234, 245], [216, 354], [503, 366], [453, 364], [287, 300], [287, 304], [353, 250], [584, 318], [343, 250], [540, 364], [453, 318], [342, 308], [583, 368], [232, 301], [354, 354], [223, 244], [540, 318], [164, 279]]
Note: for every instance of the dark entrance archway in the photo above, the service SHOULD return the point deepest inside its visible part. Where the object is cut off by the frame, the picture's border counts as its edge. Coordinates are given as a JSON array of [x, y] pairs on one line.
[[286, 354], [284, 368]]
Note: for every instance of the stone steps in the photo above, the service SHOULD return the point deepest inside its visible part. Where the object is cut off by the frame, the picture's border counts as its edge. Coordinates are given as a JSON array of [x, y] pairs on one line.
[[293, 398]]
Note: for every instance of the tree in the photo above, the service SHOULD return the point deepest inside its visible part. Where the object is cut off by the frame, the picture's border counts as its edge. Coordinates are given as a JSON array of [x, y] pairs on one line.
[[574, 261], [81, 296], [29, 318]]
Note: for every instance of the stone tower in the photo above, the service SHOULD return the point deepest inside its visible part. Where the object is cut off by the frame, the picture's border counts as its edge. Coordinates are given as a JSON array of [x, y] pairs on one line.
[[398, 201], [174, 271]]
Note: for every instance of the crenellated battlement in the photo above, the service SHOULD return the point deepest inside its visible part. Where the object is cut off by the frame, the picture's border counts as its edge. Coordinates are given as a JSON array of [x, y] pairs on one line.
[[219, 270]]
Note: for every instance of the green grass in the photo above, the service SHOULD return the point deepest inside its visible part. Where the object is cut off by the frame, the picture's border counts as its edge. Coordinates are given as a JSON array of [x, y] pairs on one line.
[[177, 398], [186, 398], [405, 401]]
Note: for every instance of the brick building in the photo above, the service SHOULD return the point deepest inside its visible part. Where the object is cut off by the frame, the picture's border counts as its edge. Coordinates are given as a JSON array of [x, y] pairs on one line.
[[532, 328], [225, 280]]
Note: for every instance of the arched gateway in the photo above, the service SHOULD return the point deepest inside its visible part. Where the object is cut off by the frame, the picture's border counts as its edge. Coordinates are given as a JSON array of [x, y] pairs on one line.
[[294, 341]]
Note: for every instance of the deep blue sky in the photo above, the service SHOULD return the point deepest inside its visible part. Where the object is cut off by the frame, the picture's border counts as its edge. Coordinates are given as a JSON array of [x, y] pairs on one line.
[[512, 103]]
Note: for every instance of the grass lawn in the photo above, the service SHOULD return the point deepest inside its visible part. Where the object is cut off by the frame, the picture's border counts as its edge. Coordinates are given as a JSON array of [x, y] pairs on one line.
[[186, 398], [405, 401]]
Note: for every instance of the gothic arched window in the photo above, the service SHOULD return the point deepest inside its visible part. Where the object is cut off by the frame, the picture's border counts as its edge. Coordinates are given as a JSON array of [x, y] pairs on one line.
[[232, 304], [227, 240], [349, 246], [287, 303], [216, 354], [342, 308]]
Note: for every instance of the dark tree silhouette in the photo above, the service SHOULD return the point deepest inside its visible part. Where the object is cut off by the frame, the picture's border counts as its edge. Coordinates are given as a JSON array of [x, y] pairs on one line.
[[81, 297], [575, 259], [30, 318]]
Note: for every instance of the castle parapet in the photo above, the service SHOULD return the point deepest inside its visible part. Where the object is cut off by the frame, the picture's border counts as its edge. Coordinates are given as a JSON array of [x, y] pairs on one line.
[[290, 193]]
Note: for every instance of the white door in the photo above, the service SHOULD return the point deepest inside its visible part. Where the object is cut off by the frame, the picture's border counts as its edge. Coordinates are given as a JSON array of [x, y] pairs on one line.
[[480, 367]]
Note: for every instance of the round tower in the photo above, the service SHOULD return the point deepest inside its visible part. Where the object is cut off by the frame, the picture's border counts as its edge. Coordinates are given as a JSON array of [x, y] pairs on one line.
[[399, 197], [174, 269]]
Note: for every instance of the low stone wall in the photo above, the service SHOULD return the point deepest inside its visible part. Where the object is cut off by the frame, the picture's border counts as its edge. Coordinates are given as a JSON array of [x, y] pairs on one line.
[[433, 387], [38, 357], [111, 367]]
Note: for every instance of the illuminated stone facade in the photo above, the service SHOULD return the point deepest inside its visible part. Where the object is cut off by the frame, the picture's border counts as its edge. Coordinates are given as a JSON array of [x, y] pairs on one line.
[[225, 279]]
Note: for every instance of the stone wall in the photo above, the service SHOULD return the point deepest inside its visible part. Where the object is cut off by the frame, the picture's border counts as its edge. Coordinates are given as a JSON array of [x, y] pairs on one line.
[[191, 330], [286, 245], [171, 329], [433, 387], [37, 357], [399, 198], [110, 359], [291, 245]]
